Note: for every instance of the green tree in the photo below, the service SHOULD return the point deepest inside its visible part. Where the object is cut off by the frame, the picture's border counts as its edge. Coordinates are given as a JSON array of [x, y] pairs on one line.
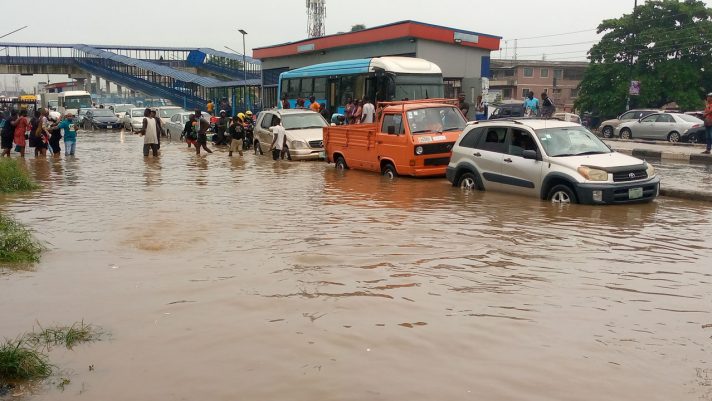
[[664, 44], [358, 27]]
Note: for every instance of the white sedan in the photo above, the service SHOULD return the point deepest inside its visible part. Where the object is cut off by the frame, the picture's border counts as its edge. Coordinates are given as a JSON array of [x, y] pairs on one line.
[[174, 127], [662, 126]]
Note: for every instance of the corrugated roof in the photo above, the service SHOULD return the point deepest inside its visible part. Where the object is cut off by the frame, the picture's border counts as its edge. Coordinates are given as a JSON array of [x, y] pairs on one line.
[[230, 56]]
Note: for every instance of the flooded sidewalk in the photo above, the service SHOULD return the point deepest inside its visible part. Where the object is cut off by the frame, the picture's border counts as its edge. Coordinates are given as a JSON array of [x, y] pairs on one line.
[[243, 278]]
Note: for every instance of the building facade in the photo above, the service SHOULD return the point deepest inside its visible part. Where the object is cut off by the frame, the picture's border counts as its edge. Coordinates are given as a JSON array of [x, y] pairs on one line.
[[463, 56], [513, 79]]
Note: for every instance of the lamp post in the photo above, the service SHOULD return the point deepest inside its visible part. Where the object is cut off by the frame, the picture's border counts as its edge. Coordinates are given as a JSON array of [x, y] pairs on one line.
[[244, 68]]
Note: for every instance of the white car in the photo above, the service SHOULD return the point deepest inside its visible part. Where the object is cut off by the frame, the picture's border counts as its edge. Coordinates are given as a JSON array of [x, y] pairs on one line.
[[662, 126], [555, 160], [133, 120], [305, 136], [166, 112], [174, 127], [120, 110]]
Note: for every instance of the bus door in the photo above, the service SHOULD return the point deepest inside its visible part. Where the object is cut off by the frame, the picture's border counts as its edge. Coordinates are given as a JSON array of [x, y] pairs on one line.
[[332, 94]]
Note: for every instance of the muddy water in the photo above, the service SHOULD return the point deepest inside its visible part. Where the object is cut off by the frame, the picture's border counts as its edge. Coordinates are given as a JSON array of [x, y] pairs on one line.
[[249, 279]]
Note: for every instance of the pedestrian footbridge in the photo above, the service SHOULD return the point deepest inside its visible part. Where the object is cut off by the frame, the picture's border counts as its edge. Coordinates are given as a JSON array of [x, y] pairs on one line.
[[188, 77]]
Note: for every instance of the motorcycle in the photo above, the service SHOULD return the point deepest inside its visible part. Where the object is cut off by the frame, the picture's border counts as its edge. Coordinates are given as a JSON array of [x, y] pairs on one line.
[[249, 139]]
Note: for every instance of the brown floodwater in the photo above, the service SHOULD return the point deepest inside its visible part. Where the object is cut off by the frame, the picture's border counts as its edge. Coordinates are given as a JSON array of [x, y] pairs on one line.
[[225, 279]]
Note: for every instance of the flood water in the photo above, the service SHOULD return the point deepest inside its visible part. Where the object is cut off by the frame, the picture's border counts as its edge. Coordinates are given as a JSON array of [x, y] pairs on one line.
[[251, 279]]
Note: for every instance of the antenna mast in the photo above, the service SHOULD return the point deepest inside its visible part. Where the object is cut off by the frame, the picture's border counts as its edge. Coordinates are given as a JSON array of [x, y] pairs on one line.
[[316, 12]]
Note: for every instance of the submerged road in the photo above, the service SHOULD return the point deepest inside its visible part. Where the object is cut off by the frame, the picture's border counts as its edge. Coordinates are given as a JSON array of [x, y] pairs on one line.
[[224, 279]]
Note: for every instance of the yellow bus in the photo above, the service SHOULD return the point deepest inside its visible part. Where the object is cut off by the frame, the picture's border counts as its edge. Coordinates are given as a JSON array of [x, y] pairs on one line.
[[26, 100]]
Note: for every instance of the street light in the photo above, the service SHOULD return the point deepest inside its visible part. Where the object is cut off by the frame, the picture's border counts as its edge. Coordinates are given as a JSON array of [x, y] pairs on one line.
[[244, 68]]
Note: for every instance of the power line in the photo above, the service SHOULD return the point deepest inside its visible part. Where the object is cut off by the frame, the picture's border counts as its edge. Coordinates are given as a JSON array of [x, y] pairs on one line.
[[556, 34]]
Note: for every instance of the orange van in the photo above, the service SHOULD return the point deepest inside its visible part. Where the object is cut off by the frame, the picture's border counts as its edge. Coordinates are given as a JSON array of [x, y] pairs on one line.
[[413, 138]]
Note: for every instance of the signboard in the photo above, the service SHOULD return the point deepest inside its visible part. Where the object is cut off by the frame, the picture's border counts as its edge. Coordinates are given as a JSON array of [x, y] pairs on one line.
[[634, 88]]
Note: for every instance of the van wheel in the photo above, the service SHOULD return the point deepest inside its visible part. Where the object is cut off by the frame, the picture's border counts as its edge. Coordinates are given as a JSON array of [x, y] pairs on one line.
[[562, 194], [340, 163], [389, 171], [607, 131], [626, 134], [468, 182], [674, 137]]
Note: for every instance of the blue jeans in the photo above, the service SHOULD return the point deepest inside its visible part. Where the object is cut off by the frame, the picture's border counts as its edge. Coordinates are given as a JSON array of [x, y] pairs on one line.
[[69, 148], [708, 137]]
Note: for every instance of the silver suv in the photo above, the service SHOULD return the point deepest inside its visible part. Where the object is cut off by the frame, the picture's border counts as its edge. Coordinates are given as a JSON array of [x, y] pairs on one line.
[[554, 160]]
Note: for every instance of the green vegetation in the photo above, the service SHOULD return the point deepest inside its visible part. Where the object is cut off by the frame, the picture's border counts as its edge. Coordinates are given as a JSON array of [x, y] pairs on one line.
[[17, 245], [663, 44], [23, 359], [14, 178], [20, 362]]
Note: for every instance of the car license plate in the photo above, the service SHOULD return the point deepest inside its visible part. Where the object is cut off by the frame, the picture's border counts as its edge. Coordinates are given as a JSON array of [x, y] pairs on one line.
[[109, 127], [322, 155], [635, 193]]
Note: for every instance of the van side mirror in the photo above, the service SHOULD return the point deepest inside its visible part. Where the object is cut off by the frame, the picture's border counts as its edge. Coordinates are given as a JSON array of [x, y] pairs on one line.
[[530, 155]]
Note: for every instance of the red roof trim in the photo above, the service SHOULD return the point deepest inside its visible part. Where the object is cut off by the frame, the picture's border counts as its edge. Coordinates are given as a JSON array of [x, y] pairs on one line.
[[408, 29]]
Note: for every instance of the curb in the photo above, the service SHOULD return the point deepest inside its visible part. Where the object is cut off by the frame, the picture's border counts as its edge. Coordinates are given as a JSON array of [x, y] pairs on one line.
[[672, 156], [686, 194], [678, 144]]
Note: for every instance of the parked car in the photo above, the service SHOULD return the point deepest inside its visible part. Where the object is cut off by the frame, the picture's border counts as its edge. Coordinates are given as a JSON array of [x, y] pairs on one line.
[[570, 117], [133, 120], [174, 127], [80, 118], [166, 112], [554, 160], [305, 139], [694, 135], [662, 126], [508, 110], [608, 127], [101, 119]]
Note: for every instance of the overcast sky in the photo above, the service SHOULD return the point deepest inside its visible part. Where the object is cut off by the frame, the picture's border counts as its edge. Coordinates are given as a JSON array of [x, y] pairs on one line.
[[176, 22]]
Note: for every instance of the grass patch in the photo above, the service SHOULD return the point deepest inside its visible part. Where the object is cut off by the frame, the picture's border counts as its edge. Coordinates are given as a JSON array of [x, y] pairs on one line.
[[14, 178], [17, 245], [67, 336], [18, 361]]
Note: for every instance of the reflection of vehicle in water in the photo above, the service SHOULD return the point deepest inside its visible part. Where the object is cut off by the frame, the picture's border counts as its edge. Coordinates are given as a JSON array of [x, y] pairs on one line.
[[379, 79], [72, 101], [412, 138]]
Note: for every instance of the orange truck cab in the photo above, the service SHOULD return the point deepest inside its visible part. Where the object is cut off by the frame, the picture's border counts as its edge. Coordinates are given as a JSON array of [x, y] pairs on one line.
[[413, 138]]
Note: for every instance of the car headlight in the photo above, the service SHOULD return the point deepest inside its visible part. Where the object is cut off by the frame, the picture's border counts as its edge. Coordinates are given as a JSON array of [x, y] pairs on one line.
[[650, 170], [419, 150], [593, 174], [299, 145]]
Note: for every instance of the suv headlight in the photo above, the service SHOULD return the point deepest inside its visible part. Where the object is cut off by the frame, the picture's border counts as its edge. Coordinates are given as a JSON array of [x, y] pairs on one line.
[[299, 145], [650, 170], [593, 174]]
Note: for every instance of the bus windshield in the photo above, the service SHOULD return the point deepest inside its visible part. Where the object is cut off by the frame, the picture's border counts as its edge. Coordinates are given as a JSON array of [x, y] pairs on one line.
[[419, 87], [77, 102]]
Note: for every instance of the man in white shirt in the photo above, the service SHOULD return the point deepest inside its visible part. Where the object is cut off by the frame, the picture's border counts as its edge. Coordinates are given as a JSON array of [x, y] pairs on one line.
[[368, 112], [280, 135]]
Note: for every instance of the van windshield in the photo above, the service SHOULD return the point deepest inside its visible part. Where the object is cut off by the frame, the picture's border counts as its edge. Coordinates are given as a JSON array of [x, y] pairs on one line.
[[570, 141], [435, 119]]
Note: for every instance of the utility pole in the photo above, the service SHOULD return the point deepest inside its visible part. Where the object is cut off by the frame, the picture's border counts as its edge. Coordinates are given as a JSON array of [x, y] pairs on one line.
[[244, 69], [515, 49]]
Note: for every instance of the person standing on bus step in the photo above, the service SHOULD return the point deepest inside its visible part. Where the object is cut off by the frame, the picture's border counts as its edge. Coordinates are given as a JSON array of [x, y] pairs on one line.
[[280, 136], [313, 105], [285, 103], [70, 134], [22, 125], [8, 133], [358, 112], [349, 110], [149, 132], [368, 114], [463, 105], [202, 126]]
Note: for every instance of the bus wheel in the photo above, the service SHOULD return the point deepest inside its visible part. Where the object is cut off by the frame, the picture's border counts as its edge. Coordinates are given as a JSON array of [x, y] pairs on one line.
[[389, 171], [340, 163]]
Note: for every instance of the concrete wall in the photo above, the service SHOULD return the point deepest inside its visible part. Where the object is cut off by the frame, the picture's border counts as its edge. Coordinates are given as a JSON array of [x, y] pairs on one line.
[[390, 48]]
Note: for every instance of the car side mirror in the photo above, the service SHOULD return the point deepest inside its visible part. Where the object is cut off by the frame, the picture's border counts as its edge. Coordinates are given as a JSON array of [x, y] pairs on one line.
[[530, 155]]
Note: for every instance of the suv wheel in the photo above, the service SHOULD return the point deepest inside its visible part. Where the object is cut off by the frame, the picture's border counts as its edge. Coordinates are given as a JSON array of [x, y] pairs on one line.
[[468, 182], [561, 194], [626, 134], [607, 131], [389, 171]]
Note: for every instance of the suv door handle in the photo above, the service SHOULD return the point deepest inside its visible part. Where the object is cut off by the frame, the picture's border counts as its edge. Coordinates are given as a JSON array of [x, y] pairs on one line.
[[477, 154], [508, 160]]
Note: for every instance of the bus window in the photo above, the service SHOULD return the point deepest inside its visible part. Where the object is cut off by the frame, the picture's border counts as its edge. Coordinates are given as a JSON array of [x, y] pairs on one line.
[[307, 87], [293, 88], [320, 88]]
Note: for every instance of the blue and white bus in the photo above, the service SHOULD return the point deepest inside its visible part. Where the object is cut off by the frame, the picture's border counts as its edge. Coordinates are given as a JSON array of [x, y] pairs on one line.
[[380, 79]]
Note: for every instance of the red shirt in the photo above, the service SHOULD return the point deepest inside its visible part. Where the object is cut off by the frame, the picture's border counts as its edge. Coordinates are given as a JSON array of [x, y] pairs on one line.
[[22, 125]]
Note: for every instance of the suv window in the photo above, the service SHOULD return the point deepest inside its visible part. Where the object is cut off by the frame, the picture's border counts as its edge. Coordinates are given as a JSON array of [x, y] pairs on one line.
[[521, 141], [471, 138], [267, 121], [493, 140], [392, 124]]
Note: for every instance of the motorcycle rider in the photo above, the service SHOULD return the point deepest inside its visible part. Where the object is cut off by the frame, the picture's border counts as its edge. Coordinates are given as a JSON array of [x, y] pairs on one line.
[[249, 125]]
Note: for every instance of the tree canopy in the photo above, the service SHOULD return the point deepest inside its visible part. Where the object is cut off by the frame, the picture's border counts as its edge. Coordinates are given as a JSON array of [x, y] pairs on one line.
[[664, 44]]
